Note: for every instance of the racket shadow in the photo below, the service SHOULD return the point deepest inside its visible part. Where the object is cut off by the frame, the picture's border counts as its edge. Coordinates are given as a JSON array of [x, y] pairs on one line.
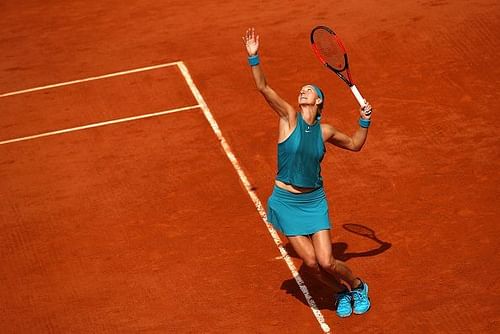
[[339, 249], [323, 294]]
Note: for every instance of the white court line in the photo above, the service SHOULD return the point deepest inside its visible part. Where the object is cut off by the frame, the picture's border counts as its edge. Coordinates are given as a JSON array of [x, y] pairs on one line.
[[104, 76], [227, 149], [253, 196], [95, 125]]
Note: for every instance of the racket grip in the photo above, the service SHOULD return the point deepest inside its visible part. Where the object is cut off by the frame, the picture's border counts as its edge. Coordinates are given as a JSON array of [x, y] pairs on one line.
[[357, 95]]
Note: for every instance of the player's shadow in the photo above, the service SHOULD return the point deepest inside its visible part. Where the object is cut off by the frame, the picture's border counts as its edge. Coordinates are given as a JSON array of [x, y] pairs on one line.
[[321, 293]]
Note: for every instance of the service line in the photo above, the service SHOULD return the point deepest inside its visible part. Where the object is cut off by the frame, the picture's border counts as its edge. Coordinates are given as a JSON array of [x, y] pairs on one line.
[[104, 76], [95, 125]]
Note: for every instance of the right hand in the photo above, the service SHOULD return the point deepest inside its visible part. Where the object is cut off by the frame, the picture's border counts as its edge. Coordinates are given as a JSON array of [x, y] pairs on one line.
[[251, 41], [366, 111]]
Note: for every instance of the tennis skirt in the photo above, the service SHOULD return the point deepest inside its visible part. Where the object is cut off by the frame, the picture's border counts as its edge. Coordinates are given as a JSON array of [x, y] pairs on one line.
[[298, 214]]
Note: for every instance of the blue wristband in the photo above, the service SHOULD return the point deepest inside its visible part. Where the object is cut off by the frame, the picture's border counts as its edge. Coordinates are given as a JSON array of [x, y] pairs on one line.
[[364, 123], [253, 60]]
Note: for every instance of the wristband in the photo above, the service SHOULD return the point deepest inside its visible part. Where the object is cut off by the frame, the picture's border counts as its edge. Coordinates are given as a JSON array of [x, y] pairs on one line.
[[253, 60], [364, 123]]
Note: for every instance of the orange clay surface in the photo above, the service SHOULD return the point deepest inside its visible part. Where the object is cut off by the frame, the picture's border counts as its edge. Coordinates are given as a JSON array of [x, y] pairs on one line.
[[144, 226]]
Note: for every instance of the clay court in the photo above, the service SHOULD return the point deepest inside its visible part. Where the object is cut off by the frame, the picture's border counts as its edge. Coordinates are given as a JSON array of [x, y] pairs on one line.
[[136, 159]]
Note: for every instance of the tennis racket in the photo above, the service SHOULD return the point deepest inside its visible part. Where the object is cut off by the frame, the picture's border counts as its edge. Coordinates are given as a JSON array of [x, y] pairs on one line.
[[331, 52]]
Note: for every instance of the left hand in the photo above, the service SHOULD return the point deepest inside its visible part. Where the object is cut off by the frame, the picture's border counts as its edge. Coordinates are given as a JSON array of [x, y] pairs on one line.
[[366, 111]]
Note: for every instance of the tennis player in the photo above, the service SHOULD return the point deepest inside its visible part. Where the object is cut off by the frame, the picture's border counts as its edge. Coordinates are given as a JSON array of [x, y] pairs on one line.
[[298, 207]]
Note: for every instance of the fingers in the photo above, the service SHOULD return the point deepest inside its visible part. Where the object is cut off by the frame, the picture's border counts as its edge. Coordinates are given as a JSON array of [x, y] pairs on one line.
[[250, 36], [251, 33], [366, 110], [246, 38]]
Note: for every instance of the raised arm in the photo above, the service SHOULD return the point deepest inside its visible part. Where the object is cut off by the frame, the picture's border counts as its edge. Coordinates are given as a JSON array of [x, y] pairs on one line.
[[281, 107], [356, 142]]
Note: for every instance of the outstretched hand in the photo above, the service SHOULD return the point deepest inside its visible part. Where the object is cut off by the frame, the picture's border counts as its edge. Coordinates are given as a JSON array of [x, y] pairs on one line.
[[251, 41]]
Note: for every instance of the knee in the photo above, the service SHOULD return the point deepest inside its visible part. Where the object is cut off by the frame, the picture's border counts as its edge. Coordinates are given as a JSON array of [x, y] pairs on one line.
[[327, 263], [311, 263]]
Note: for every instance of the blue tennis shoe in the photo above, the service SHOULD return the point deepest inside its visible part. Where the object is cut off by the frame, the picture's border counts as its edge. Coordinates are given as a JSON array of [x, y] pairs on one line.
[[360, 298], [343, 301]]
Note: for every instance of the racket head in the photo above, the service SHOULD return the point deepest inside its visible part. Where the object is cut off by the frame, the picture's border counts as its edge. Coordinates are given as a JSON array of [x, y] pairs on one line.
[[329, 49]]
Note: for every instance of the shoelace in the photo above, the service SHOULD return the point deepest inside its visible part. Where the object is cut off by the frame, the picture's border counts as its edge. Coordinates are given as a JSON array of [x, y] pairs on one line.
[[344, 297], [357, 295]]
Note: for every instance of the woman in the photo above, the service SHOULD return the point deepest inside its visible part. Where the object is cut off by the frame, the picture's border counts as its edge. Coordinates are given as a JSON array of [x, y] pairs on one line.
[[298, 207]]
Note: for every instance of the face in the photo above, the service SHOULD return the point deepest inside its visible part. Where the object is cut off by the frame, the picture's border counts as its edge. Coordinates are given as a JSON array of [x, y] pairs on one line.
[[308, 96]]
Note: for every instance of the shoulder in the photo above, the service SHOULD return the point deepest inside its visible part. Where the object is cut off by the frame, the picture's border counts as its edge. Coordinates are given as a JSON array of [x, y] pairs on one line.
[[328, 131]]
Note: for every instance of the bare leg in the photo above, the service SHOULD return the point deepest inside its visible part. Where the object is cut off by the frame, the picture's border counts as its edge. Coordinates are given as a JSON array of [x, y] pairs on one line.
[[323, 249], [304, 247]]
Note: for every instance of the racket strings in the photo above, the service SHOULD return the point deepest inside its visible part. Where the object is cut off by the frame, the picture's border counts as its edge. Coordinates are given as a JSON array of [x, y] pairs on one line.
[[330, 48]]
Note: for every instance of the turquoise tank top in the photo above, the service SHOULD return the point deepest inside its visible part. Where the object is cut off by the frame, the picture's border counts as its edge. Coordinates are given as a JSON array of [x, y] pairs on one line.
[[300, 156]]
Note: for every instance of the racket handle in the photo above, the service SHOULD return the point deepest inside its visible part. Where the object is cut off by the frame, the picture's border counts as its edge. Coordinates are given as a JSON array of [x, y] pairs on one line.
[[357, 95]]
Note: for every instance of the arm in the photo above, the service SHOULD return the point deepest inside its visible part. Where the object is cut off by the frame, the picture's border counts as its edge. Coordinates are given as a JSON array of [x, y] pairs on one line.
[[281, 107], [354, 143]]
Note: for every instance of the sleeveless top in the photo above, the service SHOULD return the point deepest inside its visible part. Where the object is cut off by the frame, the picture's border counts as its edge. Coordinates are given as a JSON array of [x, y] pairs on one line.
[[300, 156]]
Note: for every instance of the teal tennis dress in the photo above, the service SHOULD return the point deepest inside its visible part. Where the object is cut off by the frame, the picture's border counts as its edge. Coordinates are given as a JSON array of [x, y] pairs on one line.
[[299, 164]]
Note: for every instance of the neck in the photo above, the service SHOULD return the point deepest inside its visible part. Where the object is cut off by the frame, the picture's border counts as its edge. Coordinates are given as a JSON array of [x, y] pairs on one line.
[[309, 113]]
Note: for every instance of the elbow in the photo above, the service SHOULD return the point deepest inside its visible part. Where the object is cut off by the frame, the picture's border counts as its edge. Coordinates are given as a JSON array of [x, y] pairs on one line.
[[356, 148], [262, 88], [357, 145]]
